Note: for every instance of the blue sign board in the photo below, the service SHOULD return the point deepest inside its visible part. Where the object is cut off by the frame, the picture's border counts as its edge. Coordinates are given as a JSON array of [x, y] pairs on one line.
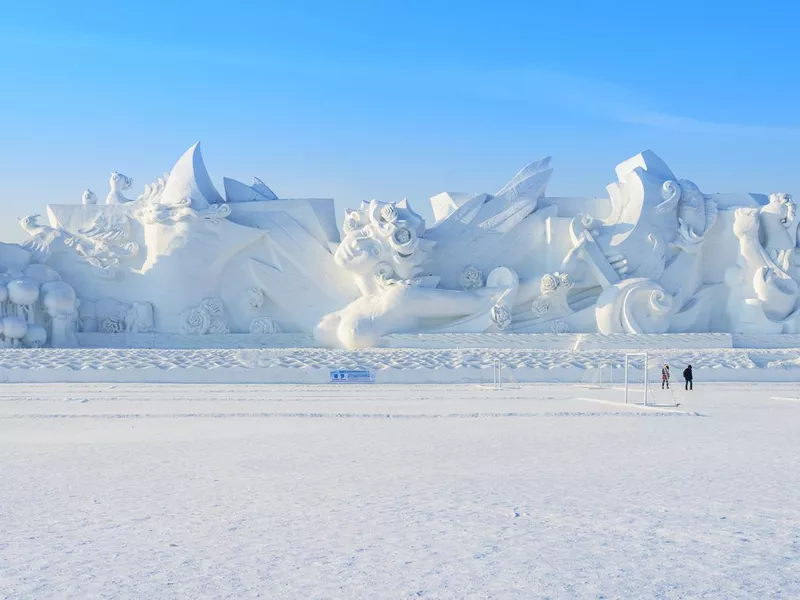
[[352, 376]]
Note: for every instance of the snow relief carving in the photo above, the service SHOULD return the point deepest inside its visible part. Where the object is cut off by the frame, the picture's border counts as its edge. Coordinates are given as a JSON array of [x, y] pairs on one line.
[[764, 283], [111, 316], [36, 307], [255, 298], [205, 318], [658, 255], [471, 278], [384, 250], [264, 325]]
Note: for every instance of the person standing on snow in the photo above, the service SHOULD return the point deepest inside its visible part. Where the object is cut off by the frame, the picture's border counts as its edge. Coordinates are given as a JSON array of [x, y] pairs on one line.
[[665, 376], [687, 375]]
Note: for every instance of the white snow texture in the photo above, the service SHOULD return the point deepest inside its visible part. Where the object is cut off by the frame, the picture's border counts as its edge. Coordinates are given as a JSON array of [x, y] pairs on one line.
[[225, 491]]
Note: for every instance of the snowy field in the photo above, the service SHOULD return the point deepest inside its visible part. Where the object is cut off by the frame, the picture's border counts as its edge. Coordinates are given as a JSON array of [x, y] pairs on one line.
[[433, 491]]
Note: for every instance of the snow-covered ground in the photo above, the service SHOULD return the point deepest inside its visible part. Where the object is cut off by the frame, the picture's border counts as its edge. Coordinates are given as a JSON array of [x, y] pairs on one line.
[[390, 365], [440, 491]]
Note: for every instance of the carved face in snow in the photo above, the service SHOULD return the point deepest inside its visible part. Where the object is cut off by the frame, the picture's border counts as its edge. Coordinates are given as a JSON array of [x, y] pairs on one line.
[[360, 251], [691, 207], [120, 182], [782, 207], [383, 235]]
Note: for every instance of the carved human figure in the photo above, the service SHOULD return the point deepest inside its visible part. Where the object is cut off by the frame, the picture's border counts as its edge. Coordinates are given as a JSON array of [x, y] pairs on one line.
[[757, 274], [654, 234], [778, 224], [383, 250], [657, 220]]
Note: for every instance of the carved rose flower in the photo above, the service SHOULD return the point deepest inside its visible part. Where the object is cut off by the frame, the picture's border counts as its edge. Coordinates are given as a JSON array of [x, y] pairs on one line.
[[255, 298], [471, 278], [389, 213], [559, 327], [195, 321], [501, 316], [350, 224], [565, 280], [541, 306], [218, 326], [112, 325], [264, 325], [213, 306], [402, 235], [549, 283]]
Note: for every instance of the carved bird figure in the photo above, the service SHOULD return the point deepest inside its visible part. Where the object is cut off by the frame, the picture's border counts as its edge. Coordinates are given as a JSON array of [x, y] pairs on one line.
[[88, 197], [45, 240]]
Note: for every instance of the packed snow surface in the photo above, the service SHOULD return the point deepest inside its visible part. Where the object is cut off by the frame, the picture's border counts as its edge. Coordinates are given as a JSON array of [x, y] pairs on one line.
[[439, 491], [390, 365]]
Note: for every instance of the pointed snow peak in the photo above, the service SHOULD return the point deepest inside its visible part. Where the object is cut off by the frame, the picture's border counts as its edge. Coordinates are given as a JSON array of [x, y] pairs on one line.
[[263, 189], [526, 172], [236, 191], [189, 179]]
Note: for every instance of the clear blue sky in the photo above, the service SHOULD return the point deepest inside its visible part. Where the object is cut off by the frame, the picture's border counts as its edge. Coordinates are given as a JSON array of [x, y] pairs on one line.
[[355, 100]]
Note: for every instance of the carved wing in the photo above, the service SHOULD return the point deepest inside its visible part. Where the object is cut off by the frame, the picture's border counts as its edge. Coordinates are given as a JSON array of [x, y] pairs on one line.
[[485, 229], [501, 212], [152, 192], [107, 229], [42, 240]]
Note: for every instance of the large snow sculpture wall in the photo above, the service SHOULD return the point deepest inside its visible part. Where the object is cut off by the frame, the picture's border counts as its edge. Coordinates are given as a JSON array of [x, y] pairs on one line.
[[654, 257]]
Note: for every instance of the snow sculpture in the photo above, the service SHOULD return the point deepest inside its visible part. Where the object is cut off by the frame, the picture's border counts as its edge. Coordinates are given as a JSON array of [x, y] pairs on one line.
[[383, 250], [14, 329], [635, 305], [656, 256], [111, 316], [36, 306], [471, 278], [35, 336], [236, 191], [104, 244], [654, 235], [44, 239], [188, 183], [60, 303], [205, 318], [119, 183], [255, 298], [262, 325], [88, 197], [764, 288]]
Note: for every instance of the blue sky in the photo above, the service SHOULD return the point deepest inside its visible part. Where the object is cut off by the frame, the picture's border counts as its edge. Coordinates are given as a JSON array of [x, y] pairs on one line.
[[355, 100]]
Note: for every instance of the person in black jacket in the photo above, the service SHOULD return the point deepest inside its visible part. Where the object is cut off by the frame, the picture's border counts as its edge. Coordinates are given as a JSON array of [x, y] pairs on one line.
[[687, 375]]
